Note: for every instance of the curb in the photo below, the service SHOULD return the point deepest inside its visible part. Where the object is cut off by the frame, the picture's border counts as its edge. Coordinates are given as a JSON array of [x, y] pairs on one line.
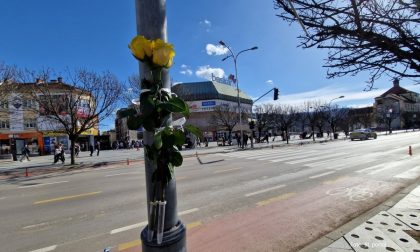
[[336, 234]]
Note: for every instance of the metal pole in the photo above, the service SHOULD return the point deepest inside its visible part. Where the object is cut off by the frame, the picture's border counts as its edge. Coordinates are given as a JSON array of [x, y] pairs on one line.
[[151, 23]]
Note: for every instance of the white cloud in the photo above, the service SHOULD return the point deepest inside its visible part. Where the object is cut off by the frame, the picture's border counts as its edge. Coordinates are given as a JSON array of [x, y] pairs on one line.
[[270, 82], [353, 96], [216, 49], [205, 72], [188, 72], [206, 24], [185, 70]]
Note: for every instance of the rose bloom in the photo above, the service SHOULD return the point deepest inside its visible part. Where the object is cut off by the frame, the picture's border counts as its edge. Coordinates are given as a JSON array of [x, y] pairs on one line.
[[163, 53], [141, 47]]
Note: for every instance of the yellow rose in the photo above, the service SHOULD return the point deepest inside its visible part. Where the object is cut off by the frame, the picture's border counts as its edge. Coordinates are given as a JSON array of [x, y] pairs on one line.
[[163, 53], [141, 47]]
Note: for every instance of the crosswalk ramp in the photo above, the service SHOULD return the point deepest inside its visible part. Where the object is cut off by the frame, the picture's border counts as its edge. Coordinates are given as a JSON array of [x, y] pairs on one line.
[[371, 164]]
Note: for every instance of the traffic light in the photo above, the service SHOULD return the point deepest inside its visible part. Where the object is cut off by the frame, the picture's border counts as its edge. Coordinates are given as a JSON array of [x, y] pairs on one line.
[[276, 93]]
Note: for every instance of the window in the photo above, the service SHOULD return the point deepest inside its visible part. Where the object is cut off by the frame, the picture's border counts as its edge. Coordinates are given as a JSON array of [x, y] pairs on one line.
[[29, 104], [4, 105], [4, 124], [30, 123]]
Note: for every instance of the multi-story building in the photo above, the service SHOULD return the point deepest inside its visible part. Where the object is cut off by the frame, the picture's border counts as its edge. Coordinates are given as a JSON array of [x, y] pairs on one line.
[[24, 121], [202, 99], [399, 104]]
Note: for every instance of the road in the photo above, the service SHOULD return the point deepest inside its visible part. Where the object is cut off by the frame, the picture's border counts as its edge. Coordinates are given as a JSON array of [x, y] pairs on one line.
[[253, 200]]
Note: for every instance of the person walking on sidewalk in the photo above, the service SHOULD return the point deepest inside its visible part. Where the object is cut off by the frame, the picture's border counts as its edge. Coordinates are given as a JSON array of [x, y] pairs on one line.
[[91, 149], [57, 153], [97, 147], [25, 153], [62, 153], [76, 149]]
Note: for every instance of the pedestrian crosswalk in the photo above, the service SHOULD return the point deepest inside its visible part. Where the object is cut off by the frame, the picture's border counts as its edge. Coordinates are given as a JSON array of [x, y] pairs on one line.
[[372, 164]]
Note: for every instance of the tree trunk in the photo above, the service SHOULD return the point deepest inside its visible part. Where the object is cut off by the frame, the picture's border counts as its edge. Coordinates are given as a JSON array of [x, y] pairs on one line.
[[72, 142]]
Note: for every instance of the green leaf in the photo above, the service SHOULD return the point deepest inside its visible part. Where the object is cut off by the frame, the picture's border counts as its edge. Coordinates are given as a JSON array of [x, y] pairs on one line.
[[134, 122], [170, 173], [157, 140], [175, 105], [179, 137], [176, 158], [194, 130], [147, 106]]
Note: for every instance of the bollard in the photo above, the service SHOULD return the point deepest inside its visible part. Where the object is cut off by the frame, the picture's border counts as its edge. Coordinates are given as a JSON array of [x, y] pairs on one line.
[[409, 151], [128, 161], [26, 172], [272, 147]]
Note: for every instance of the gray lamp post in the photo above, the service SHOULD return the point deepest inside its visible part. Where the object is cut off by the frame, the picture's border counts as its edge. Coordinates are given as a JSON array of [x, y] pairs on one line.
[[151, 23], [235, 58]]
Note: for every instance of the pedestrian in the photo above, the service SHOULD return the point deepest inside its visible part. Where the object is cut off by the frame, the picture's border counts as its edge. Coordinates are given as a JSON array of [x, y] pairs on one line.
[[62, 153], [91, 149], [76, 149], [206, 142], [57, 152], [25, 153], [245, 141], [97, 147]]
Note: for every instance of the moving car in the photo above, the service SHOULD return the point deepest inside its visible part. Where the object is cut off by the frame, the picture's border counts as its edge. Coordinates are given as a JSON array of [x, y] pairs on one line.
[[363, 134]]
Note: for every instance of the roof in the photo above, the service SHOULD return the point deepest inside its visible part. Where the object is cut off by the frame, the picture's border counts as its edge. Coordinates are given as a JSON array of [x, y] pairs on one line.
[[208, 90]]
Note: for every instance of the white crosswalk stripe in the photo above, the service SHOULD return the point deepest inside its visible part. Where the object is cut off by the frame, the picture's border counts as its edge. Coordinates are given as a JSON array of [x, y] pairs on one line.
[[410, 174]]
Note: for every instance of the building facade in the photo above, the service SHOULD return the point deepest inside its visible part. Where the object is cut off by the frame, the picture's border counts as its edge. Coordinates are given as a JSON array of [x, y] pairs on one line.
[[23, 121], [398, 104], [204, 97]]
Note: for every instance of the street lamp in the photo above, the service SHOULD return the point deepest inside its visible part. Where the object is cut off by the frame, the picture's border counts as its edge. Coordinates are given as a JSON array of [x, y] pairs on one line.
[[235, 58], [341, 96]]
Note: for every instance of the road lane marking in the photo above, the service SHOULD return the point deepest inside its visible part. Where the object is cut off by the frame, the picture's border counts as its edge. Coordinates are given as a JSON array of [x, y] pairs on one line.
[[125, 173], [320, 157], [51, 183], [264, 190], [188, 211], [370, 168], [227, 170], [126, 228], [410, 174], [46, 249], [35, 225], [180, 178], [322, 174], [66, 198], [276, 199], [333, 181], [194, 224], [127, 245], [2, 198], [144, 223]]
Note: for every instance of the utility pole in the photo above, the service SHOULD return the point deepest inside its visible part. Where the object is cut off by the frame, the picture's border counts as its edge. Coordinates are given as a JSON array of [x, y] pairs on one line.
[[151, 23]]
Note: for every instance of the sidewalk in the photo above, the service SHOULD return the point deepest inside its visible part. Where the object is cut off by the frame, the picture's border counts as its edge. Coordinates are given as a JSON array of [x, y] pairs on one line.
[[393, 227]]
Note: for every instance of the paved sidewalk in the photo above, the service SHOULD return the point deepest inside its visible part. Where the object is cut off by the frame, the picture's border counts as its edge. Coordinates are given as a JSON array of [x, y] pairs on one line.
[[394, 229]]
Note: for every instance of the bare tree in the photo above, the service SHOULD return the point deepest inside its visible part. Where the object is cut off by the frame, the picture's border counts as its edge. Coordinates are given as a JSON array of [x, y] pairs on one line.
[[75, 106], [360, 35], [224, 117], [286, 116], [335, 114], [8, 74], [262, 113], [386, 117], [315, 116]]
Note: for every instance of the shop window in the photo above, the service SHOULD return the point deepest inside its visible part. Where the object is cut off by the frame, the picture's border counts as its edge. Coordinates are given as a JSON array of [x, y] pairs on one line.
[[30, 123], [4, 124]]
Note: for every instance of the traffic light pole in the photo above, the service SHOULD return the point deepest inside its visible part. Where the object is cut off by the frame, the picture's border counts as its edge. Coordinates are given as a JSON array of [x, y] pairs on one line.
[[276, 90]]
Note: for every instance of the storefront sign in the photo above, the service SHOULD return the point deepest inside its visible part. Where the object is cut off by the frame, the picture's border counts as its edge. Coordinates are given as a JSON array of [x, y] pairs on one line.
[[208, 103]]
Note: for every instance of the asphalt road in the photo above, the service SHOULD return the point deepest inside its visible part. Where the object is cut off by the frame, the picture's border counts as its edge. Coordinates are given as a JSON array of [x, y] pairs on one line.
[[253, 200]]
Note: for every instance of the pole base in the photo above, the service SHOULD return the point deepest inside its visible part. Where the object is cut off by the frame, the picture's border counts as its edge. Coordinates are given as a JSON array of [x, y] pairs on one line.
[[174, 240]]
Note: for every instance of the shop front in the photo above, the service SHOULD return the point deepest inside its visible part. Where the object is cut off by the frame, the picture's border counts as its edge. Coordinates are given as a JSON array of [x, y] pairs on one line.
[[12, 143]]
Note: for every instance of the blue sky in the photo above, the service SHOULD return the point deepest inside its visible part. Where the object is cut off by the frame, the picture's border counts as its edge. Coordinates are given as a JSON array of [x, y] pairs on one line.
[[94, 34]]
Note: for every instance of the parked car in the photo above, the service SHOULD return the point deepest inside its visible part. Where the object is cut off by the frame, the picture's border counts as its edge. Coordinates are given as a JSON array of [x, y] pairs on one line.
[[363, 134]]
